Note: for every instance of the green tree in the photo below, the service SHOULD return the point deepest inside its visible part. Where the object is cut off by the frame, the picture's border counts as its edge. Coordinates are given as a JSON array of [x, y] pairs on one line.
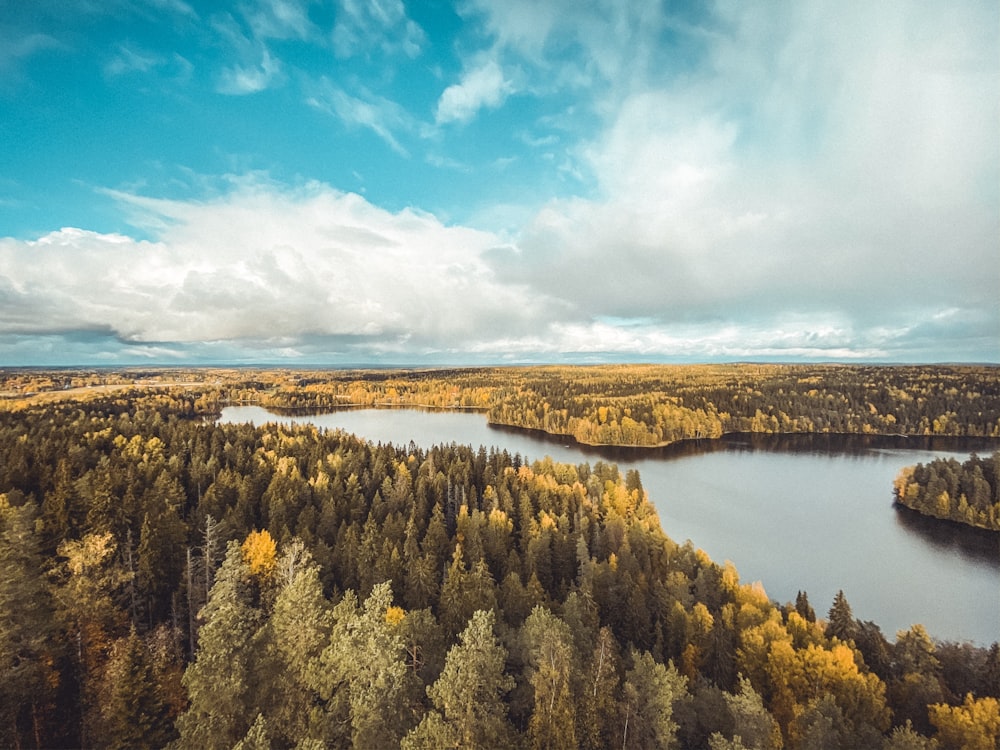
[[161, 545], [549, 645], [650, 691], [365, 665], [294, 639], [26, 626], [907, 738], [256, 737], [469, 694], [133, 709], [840, 620], [220, 680], [753, 725], [88, 584], [598, 704]]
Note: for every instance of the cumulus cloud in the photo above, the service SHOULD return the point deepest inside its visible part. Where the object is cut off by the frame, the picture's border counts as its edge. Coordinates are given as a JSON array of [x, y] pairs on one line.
[[483, 86], [749, 181], [808, 171], [266, 264]]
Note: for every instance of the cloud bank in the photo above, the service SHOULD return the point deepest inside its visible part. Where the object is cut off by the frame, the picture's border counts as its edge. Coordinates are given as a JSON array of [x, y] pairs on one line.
[[718, 181], [267, 272]]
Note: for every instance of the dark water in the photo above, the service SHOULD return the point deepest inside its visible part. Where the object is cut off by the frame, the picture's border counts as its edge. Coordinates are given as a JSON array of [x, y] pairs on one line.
[[801, 512]]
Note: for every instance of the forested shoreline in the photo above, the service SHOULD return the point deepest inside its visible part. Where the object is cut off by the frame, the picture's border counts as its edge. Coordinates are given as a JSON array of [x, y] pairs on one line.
[[168, 580], [966, 493], [615, 405]]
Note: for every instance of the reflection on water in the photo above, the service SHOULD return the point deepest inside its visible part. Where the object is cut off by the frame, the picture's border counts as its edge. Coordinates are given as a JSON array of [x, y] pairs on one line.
[[976, 545]]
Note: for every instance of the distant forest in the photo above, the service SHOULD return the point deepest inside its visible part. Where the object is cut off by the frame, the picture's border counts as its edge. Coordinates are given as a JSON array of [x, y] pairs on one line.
[[967, 492], [626, 405], [166, 580]]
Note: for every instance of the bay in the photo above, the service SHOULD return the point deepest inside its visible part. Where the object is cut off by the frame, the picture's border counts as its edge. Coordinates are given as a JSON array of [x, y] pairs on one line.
[[810, 513]]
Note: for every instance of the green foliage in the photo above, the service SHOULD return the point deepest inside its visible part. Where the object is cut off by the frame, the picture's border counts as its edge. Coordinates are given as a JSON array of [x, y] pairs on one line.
[[220, 681], [650, 691], [550, 669], [470, 692], [967, 493], [26, 623], [365, 663]]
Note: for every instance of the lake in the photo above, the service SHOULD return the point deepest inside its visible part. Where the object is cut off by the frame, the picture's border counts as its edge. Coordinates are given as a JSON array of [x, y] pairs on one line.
[[794, 512]]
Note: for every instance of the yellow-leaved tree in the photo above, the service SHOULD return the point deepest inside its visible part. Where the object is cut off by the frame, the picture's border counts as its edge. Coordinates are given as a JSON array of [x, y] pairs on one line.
[[260, 553]]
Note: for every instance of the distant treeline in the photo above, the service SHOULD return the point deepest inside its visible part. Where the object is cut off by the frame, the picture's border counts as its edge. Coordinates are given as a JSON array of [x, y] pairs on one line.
[[169, 581], [626, 405], [656, 405], [966, 492]]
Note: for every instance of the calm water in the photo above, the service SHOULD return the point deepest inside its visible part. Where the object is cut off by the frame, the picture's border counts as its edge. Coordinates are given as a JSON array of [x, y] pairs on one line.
[[810, 513]]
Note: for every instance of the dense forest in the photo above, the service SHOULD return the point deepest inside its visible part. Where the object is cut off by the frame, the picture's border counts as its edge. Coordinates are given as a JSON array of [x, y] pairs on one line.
[[631, 405], [967, 492], [169, 581]]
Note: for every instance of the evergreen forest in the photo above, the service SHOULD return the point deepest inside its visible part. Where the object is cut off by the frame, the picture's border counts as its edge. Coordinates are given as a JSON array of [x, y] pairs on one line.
[[170, 581], [967, 492]]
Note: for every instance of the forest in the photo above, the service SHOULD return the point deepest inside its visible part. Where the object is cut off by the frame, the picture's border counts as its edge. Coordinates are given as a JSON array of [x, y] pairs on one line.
[[626, 405], [967, 492], [168, 581]]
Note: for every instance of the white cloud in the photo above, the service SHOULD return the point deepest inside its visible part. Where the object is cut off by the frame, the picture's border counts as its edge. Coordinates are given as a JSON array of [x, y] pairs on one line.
[[831, 170], [365, 24], [279, 19], [129, 59], [383, 116], [269, 272], [249, 79], [483, 86], [265, 263]]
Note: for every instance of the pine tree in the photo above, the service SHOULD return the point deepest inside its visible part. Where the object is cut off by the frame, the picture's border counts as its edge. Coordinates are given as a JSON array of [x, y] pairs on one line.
[[220, 679], [298, 631], [598, 721], [365, 665], [469, 694], [752, 723], [840, 620], [132, 707], [89, 583], [804, 608], [549, 646], [26, 625], [649, 693], [256, 737]]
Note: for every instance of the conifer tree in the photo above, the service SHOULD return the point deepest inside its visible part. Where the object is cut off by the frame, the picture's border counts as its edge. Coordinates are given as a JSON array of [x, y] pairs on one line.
[[220, 681], [364, 666], [550, 665], [133, 711], [256, 737], [26, 625], [469, 694], [295, 636], [598, 701], [649, 693], [840, 620]]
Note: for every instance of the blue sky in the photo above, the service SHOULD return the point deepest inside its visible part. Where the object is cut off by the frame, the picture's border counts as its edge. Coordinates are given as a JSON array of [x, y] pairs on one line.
[[487, 181]]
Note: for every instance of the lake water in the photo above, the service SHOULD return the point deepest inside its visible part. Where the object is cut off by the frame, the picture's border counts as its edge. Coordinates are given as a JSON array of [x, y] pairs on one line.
[[795, 512]]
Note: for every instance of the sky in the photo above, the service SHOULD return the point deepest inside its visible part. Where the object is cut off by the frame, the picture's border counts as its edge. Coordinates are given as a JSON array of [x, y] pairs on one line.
[[339, 182]]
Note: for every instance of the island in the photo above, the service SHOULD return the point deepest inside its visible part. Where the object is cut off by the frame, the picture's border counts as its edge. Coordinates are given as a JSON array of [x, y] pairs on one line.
[[967, 492]]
